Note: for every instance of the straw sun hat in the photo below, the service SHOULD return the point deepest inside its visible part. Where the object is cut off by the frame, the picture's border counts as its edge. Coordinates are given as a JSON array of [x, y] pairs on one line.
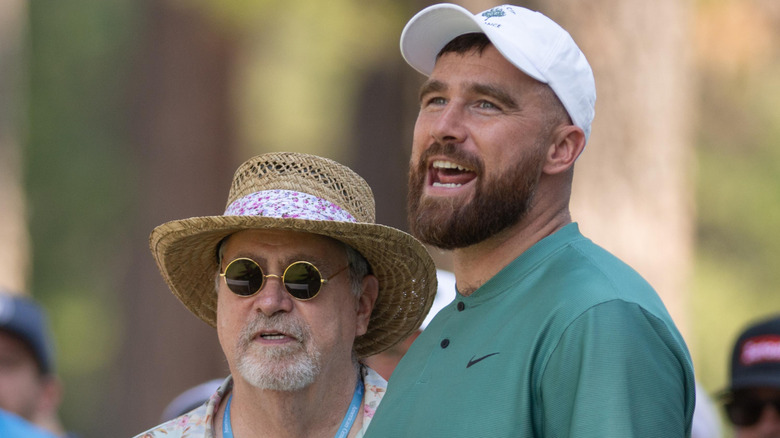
[[300, 192]]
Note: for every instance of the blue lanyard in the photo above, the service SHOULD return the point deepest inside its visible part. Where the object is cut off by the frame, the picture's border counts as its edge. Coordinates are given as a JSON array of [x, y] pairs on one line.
[[352, 412], [227, 428], [346, 423]]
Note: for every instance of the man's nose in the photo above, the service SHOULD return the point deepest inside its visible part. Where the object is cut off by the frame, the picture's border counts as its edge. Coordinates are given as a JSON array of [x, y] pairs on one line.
[[448, 125], [273, 297]]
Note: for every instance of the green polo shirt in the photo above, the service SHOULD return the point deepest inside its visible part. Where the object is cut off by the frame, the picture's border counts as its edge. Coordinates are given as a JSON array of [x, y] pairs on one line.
[[566, 341]]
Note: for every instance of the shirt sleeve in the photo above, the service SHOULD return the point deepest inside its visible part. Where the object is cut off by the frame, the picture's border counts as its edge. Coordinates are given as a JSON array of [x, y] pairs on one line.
[[617, 371]]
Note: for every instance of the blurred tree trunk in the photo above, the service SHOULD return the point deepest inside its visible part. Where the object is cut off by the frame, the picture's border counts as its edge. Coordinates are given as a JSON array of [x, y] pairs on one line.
[[184, 135], [633, 188], [14, 238], [381, 146]]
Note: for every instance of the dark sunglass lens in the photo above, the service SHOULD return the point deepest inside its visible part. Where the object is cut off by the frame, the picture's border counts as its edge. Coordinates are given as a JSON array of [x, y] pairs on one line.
[[302, 280], [744, 413], [244, 277]]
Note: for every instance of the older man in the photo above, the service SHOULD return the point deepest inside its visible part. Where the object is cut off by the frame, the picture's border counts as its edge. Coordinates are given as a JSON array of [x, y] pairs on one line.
[[550, 335], [306, 285]]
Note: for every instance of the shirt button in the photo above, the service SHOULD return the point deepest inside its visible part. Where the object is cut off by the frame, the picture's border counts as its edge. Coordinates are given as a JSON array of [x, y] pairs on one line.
[[445, 343], [461, 306]]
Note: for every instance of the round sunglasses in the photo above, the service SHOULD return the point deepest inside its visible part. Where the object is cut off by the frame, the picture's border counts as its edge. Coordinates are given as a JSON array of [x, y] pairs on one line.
[[302, 280]]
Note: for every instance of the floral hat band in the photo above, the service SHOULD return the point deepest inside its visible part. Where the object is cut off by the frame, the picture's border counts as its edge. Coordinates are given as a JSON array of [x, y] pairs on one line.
[[288, 204]]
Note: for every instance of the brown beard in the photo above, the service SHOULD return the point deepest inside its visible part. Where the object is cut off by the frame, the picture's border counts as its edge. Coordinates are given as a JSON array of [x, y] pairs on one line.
[[498, 203]]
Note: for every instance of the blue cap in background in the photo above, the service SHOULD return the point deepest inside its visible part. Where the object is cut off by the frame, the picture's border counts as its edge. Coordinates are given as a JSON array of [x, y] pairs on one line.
[[25, 319]]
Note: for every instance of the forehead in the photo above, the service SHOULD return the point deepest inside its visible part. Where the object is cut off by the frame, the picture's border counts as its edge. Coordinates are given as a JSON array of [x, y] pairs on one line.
[[281, 242], [11, 343], [474, 66]]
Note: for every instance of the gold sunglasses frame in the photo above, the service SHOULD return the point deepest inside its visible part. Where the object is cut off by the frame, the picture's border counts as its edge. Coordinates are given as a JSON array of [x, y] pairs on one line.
[[323, 280]]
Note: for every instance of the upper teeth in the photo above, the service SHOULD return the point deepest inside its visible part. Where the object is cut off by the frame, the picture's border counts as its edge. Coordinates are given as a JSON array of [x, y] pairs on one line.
[[272, 336], [438, 164]]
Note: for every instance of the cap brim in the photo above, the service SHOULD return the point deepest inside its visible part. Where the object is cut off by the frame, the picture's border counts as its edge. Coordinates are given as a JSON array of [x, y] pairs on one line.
[[432, 28], [766, 379]]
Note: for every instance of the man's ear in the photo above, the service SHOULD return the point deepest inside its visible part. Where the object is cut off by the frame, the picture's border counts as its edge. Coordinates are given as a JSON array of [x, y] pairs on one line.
[[568, 141], [365, 304]]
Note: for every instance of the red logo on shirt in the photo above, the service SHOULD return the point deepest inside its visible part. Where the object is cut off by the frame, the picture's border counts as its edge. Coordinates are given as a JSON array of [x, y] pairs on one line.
[[764, 348]]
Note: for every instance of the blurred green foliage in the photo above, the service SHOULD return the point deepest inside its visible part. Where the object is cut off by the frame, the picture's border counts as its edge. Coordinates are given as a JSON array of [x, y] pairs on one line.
[[736, 277], [298, 48], [289, 49], [738, 204], [77, 174]]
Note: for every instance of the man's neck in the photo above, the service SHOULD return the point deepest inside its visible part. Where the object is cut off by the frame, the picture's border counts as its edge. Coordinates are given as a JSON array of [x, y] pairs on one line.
[[315, 411], [476, 264]]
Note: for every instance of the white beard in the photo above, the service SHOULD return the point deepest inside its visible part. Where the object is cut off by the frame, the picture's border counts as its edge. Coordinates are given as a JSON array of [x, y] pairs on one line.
[[280, 368]]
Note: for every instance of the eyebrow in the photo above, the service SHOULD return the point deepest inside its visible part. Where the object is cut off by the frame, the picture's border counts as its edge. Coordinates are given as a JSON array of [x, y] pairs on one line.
[[260, 260], [264, 261], [496, 93], [435, 85], [431, 86]]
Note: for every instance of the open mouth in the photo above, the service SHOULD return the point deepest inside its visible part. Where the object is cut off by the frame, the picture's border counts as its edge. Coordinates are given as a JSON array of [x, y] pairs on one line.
[[450, 175], [274, 336]]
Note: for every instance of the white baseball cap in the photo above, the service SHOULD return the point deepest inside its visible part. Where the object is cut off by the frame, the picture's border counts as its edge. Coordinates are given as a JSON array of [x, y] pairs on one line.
[[529, 40]]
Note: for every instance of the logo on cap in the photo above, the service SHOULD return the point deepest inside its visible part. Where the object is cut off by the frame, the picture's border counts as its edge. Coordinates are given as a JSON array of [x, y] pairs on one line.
[[495, 12], [759, 349]]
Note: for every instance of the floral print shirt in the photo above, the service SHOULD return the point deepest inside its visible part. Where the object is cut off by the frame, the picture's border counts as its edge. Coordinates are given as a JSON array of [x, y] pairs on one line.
[[199, 422]]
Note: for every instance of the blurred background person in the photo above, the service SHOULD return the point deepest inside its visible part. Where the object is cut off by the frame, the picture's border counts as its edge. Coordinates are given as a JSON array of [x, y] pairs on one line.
[[29, 387], [752, 400]]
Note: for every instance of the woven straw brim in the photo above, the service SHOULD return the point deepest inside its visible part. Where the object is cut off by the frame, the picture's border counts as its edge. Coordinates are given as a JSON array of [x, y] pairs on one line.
[[186, 254]]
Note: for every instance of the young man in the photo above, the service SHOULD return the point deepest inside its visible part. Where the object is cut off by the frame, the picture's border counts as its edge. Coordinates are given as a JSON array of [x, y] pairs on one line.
[[752, 400], [306, 285], [550, 335]]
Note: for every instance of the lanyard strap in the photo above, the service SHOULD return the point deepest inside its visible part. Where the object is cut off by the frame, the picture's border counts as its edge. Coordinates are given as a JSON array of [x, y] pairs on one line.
[[354, 408], [227, 428], [346, 423]]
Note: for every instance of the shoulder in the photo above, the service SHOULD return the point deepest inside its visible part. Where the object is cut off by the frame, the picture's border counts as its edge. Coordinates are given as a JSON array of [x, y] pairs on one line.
[[375, 386], [618, 336], [14, 426], [589, 274], [194, 423]]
